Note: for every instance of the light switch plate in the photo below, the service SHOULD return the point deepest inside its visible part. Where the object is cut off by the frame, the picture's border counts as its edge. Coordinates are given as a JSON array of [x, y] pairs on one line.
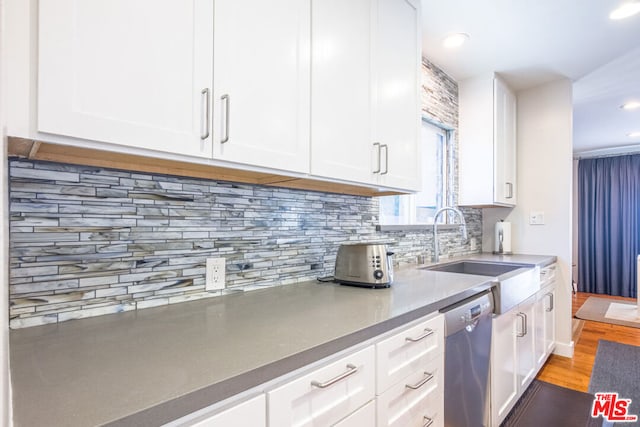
[[536, 218]]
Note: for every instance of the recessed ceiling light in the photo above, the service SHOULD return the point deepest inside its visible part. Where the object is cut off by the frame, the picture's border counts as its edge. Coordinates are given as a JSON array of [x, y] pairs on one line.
[[625, 10], [632, 105], [634, 135], [455, 40]]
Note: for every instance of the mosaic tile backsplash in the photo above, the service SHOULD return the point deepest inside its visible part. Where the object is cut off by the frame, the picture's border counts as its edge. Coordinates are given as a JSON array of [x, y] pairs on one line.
[[87, 241]]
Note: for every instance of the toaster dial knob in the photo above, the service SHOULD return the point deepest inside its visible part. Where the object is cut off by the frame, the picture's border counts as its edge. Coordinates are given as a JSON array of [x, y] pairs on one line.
[[378, 274]]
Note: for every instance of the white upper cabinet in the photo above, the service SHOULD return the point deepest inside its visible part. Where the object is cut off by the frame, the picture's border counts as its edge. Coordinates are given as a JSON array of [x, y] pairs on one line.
[[261, 83], [341, 86], [129, 72], [397, 76], [328, 89], [487, 142], [365, 79]]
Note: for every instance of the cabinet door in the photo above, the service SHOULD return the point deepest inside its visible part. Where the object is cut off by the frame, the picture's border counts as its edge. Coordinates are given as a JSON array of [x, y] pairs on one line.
[[550, 320], [250, 413], [341, 100], [540, 347], [397, 68], [261, 83], [504, 144], [504, 378], [525, 338], [130, 72], [326, 395]]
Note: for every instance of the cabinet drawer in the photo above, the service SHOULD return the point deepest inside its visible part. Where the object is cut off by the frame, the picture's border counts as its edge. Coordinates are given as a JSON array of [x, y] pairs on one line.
[[412, 401], [408, 350], [365, 416], [326, 395], [547, 275], [253, 413]]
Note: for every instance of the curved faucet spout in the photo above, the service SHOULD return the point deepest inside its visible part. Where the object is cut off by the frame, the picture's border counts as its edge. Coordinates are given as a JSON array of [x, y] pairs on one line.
[[463, 229]]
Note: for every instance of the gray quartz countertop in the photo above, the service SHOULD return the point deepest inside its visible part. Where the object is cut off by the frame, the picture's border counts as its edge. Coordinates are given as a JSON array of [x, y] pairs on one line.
[[150, 366]]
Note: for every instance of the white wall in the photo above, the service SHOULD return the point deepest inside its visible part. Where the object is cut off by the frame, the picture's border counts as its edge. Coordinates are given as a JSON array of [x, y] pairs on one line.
[[5, 402], [545, 176]]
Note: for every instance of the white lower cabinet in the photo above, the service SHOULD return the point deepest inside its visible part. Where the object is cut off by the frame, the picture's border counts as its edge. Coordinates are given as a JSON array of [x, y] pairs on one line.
[[525, 339], [407, 351], [522, 340], [545, 316], [417, 400], [513, 362], [504, 379], [410, 376], [326, 395]]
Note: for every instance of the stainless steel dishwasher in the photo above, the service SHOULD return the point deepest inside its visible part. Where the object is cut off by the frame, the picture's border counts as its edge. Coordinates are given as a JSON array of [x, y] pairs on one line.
[[466, 361]]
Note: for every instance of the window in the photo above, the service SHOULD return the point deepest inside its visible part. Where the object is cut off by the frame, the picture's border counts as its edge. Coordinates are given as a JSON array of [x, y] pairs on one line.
[[437, 182]]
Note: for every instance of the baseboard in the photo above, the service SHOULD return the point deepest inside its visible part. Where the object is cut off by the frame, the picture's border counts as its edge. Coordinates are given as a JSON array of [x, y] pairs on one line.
[[564, 349]]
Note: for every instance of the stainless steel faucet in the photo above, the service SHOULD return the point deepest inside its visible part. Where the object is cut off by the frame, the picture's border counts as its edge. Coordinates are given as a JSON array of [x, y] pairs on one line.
[[463, 229]]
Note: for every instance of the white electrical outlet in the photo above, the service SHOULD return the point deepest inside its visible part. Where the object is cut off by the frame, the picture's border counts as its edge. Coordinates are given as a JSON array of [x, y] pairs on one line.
[[215, 274], [473, 243]]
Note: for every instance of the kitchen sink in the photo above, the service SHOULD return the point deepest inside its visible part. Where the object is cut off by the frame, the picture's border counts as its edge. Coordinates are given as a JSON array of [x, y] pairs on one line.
[[513, 282], [477, 267]]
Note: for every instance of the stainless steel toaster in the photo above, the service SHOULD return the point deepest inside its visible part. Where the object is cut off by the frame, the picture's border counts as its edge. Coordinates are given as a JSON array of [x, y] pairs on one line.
[[364, 264]]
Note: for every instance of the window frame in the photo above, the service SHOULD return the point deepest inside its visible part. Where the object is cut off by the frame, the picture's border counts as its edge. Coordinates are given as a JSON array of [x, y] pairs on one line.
[[448, 184]]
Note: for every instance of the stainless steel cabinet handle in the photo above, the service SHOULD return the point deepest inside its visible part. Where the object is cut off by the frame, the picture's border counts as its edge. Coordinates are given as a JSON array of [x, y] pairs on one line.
[[428, 377], [428, 420], [427, 332], [523, 317], [204, 134], [377, 145], [550, 295], [386, 159], [510, 185], [351, 369], [227, 110]]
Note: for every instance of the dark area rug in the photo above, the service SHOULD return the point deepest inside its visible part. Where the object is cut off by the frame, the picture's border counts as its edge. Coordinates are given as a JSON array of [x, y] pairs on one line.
[[548, 405], [617, 369]]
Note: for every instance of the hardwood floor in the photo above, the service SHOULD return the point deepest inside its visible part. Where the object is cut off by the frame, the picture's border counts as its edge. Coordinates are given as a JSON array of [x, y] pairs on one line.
[[575, 373]]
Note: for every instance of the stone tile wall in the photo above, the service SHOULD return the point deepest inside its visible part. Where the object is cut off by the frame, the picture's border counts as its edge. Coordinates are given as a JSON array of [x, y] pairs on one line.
[[87, 241]]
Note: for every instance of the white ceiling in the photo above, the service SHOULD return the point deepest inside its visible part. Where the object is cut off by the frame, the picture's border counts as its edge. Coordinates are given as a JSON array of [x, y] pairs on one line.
[[531, 42]]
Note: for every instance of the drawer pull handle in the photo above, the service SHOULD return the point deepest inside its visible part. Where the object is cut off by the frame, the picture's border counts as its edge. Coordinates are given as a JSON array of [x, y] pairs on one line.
[[428, 377], [427, 332], [428, 420], [351, 369]]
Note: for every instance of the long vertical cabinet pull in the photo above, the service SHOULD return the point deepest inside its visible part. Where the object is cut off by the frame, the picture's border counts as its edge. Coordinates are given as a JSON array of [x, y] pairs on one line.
[[550, 295], [227, 109], [386, 159], [204, 134], [510, 187], [377, 147], [523, 318]]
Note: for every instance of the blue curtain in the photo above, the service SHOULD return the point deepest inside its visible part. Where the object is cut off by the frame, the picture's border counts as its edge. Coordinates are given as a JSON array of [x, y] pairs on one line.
[[608, 224]]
